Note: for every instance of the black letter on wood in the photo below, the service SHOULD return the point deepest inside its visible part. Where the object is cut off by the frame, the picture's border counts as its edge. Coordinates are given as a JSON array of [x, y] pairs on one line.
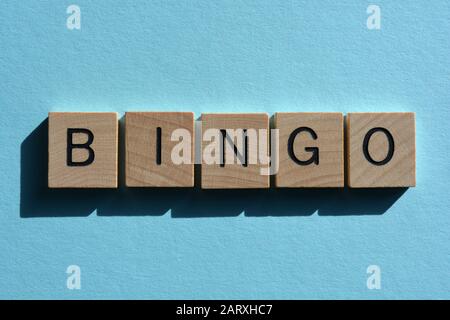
[[71, 146], [390, 153], [315, 151]]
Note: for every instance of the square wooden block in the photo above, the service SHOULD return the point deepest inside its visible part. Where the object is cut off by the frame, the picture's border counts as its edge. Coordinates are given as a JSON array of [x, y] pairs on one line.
[[242, 174], [152, 156], [311, 150], [82, 149], [381, 150]]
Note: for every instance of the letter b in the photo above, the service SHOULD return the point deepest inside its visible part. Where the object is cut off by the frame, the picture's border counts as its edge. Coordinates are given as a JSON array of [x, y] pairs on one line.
[[86, 145]]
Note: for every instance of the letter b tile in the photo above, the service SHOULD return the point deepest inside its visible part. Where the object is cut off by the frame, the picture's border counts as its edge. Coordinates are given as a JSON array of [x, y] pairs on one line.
[[82, 150], [381, 150], [311, 150]]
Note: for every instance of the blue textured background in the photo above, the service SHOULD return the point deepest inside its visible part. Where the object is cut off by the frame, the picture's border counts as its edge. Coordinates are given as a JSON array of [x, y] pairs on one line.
[[231, 56]]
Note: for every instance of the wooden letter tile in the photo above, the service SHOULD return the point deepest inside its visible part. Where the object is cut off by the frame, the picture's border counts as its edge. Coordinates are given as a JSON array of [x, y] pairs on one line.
[[152, 158], [381, 150], [237, 168], [82, 149], [311, 150]]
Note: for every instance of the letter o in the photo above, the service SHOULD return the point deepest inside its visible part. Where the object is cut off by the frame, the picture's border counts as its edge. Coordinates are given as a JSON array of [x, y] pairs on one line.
[[391, 149]]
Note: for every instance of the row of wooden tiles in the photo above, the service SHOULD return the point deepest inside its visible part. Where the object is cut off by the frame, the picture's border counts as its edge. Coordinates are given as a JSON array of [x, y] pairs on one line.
[[378, 151]]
